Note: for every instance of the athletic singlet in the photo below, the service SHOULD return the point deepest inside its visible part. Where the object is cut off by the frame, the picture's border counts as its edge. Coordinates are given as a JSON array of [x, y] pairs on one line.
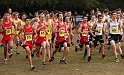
[[8, 32], [41, 33], [99, 28], [62, 29], [28, 33], [85, 28], [114, 28]]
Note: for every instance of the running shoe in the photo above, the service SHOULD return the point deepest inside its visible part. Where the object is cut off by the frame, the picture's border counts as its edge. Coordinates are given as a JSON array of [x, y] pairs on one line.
[[51, 59], [89, 58], [117, 60], [76, 50], [103, 56], [32, 68]]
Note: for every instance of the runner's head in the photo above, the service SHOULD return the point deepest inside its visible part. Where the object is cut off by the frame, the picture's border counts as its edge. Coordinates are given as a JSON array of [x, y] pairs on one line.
[[67, 19], [27, 21], [93, 18], [118, 15], [60, 16], [114, 15], [23, 15], [6, 15], [100, 18], [85, 18], [16, 15], [69, 13], [41, 17], [47, 16]]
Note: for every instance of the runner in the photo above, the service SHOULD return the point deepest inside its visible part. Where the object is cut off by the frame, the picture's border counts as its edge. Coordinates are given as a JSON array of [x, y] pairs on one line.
[[83, 30], [48, 22], [60, 31], [113, 27], [27, 43], [40, 28], [16, 22], [99, 30], [91, 38], [7, 39]]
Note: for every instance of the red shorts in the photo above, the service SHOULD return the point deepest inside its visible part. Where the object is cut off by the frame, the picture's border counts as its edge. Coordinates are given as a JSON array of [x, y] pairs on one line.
[[6, 39], [39, 41], [83, 40], [59, 42], [27, 43]]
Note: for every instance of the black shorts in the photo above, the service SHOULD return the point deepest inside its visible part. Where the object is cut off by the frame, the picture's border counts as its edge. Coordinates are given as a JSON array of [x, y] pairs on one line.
[[81, 46], [91, 38], [114, 37], [98, 38]]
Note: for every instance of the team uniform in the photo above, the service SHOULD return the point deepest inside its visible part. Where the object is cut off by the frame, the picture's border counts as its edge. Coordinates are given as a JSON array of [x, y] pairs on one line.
[[99, 35], [41, 35], [83, 38], [7, 35], [113, 35], [28, 37], [60, 36]]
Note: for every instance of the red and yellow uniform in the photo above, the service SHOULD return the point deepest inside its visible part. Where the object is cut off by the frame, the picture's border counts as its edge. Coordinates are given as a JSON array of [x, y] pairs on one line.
[[28, 37], [7, 35], [84, 37], [60, 36], [41, 34]]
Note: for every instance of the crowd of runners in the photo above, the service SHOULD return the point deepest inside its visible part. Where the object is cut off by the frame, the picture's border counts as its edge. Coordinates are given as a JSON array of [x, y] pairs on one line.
[[38, 34]]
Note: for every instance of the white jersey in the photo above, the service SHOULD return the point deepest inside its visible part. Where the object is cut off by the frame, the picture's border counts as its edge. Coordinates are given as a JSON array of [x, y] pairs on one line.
[[91, 23], [99, 27], [114, 28]]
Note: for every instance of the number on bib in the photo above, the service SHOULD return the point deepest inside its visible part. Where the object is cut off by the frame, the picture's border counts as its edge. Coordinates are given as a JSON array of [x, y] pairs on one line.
[[8, 32], [114, 30], [42, 33], [100, 30], [84, 34], [62, 33], [28, 37]]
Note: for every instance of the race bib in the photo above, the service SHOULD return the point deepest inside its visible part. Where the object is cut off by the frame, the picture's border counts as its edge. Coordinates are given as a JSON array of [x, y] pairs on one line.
[[28, 37], [100, 30], [84, 34], [114, 30], [62, 33], [42, 33], [8, 32]]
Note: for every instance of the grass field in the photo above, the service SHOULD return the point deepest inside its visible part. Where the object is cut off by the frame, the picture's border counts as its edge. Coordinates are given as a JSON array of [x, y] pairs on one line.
[[18, 65]]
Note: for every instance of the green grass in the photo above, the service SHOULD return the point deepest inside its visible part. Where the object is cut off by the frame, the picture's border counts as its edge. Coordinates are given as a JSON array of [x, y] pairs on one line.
[[18, 65]]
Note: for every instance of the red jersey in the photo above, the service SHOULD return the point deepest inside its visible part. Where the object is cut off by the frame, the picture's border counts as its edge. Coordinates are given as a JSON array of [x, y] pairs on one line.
[[41, 33], [8, 26], [28, 33], [85, 28], [61, 34]]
